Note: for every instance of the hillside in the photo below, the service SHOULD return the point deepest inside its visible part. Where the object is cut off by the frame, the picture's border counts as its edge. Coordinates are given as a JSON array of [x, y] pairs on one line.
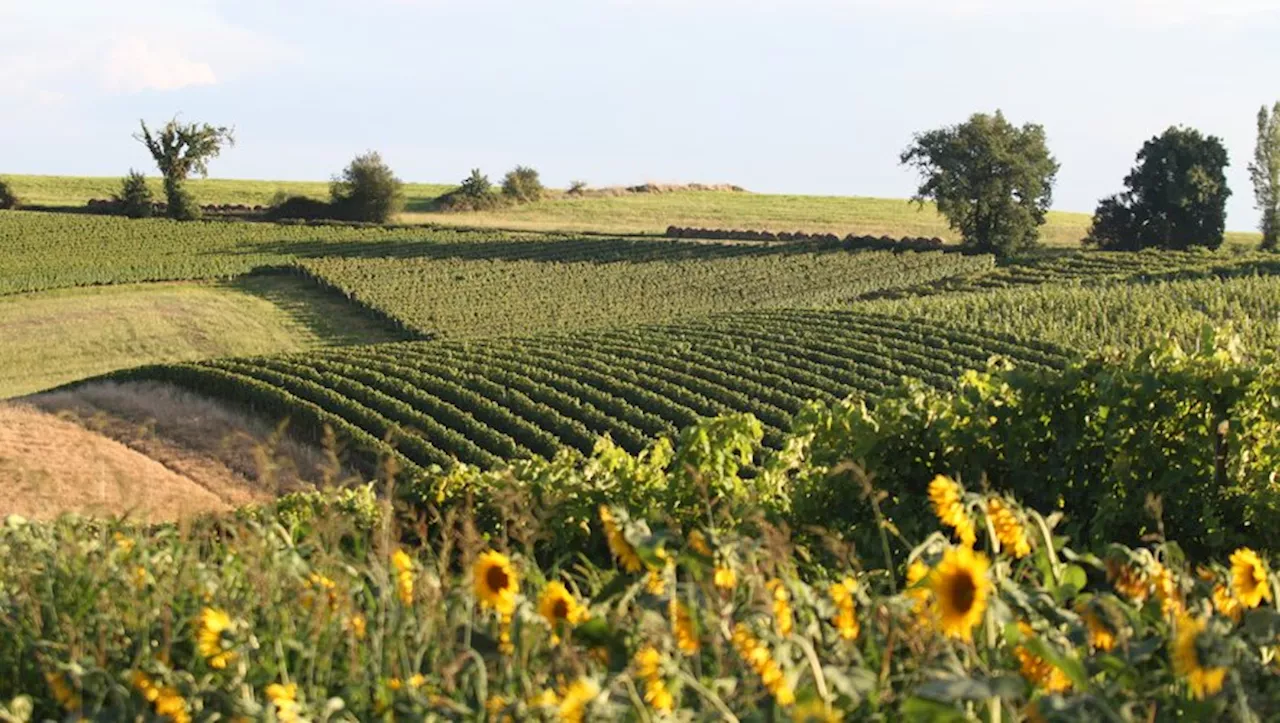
[[624, 213]]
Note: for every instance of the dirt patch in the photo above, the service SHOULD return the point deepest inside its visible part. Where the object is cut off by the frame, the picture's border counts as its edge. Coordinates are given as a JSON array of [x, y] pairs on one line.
[[234, 455], [50, 465]]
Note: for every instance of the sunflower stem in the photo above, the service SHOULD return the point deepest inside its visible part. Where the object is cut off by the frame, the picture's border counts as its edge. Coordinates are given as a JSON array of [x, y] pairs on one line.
[[711, 697]]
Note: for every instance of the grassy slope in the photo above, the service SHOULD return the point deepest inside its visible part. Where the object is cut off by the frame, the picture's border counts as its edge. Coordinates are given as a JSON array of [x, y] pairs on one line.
[[634, 213], [76, 190], [59, 336]]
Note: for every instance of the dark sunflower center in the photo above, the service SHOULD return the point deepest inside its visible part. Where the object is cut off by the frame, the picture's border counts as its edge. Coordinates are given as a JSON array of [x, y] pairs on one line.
[[963, 592], [560, 609], [496, 578]]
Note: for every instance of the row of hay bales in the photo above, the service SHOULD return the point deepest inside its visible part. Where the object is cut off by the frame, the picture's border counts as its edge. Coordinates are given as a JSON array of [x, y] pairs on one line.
[[107, 205], [851, 241]]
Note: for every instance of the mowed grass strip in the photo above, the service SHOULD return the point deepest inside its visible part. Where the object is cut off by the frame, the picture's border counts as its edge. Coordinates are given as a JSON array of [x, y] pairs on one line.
[[54, 337]]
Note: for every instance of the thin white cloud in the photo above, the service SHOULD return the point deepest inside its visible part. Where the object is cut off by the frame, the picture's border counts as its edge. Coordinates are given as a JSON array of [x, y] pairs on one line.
[[136, 64], [75, 48], [1137, 12]]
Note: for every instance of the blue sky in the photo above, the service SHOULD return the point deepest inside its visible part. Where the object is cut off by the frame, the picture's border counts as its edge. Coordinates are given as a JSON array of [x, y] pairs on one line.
[[804, 96]]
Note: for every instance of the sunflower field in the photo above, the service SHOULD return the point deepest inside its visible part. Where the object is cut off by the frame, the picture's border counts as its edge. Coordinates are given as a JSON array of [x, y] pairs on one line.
[[695, 579], [991, 617]]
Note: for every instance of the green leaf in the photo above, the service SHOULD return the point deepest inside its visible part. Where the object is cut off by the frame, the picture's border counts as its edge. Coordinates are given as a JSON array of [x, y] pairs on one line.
[[1070, 666], [955, 689], [920, 709]]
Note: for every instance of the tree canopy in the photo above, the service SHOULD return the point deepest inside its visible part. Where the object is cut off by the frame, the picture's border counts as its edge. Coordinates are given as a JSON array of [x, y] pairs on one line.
[[180, 150], [1174, 198], [1264, 171], [992, 181]]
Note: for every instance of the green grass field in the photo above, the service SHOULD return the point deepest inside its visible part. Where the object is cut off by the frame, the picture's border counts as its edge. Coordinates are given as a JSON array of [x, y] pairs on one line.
[[645, 213], [54, 337]]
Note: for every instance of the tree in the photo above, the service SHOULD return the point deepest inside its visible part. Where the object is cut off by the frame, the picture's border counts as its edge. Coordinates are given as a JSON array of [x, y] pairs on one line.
[[475, 193], [134, 197], [1175, 198], [367, 190], [1265, 174], [180, 149], [8, 199], [992, 180], [522, 185]]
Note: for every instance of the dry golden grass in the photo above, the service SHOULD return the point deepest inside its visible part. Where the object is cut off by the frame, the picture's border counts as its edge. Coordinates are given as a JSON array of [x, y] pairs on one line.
[[239, 457], [49, 466]]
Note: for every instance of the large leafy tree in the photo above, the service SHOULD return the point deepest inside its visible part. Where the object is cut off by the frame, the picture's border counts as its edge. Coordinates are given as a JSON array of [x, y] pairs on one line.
[[993, 181], [1175, 198], [1265, 174], [180, 150]]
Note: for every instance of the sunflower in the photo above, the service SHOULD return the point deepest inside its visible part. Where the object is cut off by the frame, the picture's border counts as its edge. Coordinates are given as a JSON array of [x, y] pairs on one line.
[[1128, 581], [618, 544], [558, 606], [815, 711], [1101, 635], [209, 643], [1226, 603], [948, 504], [725, 578], [575, 699], [1009, 530], [285, 700], [648, 663], [403, 565], [1038, 671], [357, 625], [757, 655], [66, 697], [496, 582], [959, 586], [698, 543], [846, 619], [170, 704], [1204, 681], [918, 589], [1168, 592], [1249, 578], [682, 626], [782, 614], [655, 583], [166, 701]]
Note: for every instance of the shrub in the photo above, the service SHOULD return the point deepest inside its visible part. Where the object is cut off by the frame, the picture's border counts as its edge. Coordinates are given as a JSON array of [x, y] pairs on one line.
[[475, 193], [577, 188], [301, 207], [134, 198], [1199, 431], [367, 190], [522, 185], [8, 199]]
